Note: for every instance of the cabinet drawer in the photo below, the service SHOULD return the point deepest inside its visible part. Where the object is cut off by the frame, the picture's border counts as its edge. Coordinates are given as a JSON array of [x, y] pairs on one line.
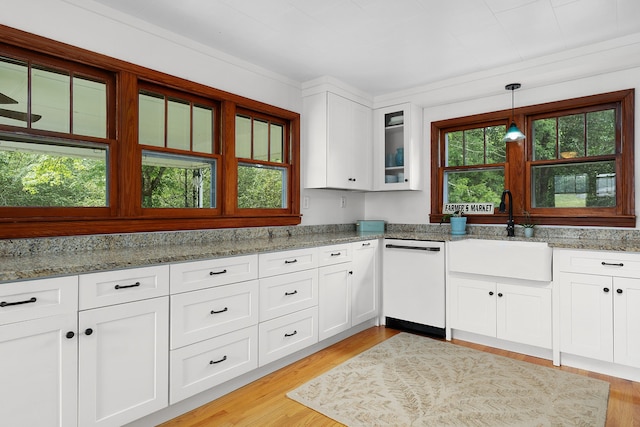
[[621, 264], [121, 286], [334, 254], [283, 262], [287, 334], [206, 364], [200, 315], [191, 276], [34, 299], [284, 294]]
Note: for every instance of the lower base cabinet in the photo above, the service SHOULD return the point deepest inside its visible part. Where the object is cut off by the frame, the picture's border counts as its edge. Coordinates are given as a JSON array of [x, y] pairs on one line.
[[516, 313], [39, 373], [334, 282], [123, 362], [284, 335], [206, 364]]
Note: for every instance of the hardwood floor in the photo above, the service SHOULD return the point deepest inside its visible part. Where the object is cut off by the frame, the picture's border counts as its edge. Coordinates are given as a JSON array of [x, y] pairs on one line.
[[263, 402]]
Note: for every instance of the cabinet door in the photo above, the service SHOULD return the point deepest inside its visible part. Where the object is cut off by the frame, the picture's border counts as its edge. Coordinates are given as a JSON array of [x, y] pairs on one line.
[[586, 315], [123, 362], [339, 132], [524, 314], [473, 305], [364, 289], [626, 321], [39, 372], [397, 127], [334, 299]]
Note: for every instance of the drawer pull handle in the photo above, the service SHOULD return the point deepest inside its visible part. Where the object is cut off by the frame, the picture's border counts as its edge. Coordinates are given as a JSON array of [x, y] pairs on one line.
[[213, 362], [291, 293], [213, 273], [7, 304], [290, 262], [220, 311], [291, 334], [335, 254], [615, 264], [366, 244], [127, 286]]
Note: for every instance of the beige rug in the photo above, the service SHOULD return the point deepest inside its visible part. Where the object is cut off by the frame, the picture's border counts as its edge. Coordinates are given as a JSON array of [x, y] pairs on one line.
[[409, 380]]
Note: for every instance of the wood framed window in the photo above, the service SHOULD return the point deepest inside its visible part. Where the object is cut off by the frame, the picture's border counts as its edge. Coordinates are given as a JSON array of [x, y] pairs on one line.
[[90, 144], [262, 152], [57, 136], [575, 166], [178, 146]]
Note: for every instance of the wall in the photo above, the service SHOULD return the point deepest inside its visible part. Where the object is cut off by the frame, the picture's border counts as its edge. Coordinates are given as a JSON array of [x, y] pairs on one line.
[[605, 67]]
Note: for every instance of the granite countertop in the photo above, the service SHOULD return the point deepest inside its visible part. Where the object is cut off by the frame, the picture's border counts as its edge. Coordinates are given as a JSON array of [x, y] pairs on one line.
[[69, 263], [89, 257]]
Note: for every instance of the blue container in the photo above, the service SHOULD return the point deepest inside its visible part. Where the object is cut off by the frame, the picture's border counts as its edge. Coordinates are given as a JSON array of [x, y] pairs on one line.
[[370, 226], [400, 157]]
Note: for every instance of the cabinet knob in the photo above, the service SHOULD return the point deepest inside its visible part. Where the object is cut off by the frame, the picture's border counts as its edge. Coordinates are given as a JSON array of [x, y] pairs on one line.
[[70, 334], [606, 290], [500, 294], [351, 272], [88, 331], [619, 291], [491, 293]]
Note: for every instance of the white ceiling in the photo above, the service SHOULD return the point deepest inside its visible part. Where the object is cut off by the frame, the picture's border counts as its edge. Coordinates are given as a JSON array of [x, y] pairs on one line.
[[382, 46]]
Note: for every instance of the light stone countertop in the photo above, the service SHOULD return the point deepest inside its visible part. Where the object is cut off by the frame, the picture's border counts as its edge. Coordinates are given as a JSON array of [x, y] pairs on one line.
[[39, 258]]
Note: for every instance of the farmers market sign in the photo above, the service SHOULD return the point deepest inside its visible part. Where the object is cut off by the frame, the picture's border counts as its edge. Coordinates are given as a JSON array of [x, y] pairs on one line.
[[469, 208]]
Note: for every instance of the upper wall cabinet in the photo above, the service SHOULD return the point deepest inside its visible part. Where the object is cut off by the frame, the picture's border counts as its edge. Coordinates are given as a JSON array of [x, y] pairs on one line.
[[397, 148], [337, 138]]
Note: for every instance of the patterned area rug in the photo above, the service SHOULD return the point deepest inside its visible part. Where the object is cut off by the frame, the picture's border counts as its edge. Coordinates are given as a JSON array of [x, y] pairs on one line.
[[409, 380]]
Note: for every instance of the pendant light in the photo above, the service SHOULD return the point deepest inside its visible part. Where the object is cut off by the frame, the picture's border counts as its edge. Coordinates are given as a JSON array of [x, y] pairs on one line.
[[513, 133]]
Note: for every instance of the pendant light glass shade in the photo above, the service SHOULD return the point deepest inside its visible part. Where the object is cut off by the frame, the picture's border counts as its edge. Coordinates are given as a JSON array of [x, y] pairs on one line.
[[513, 133]]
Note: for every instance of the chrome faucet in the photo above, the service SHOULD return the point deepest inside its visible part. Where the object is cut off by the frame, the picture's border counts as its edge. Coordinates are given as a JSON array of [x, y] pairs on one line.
[[510, 226]]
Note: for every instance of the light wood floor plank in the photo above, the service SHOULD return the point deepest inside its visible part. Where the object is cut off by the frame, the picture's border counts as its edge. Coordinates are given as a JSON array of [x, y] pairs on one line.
[[264, 402]]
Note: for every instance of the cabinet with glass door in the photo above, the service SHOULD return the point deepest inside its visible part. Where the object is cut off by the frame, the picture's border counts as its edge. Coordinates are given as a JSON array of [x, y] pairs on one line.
[[397, 148]]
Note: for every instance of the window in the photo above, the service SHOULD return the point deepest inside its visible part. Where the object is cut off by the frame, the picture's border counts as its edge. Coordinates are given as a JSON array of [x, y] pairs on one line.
[[55, 137], [572, 153], [575, 166], [90, 144], [177, 134], [474, 164], [261, 147]]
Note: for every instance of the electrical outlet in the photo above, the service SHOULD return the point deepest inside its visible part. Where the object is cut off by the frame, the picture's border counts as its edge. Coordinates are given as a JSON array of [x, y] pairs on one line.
[[343, 201], [306, 201]]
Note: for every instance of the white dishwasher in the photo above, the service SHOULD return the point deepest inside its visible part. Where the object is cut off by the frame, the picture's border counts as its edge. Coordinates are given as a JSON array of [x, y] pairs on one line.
[[413, 285]]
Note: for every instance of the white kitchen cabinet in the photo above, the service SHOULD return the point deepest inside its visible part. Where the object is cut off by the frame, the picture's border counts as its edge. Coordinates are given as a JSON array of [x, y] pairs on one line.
[[39, 352], [123, 338], [586, 315], [599, 306], [288, 293], [203, 314], [512, 312], [338, 138], [334, 304], [364, 283], [600, 312], [200, 366], [287, 334], [397, 148], [123, 362]]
